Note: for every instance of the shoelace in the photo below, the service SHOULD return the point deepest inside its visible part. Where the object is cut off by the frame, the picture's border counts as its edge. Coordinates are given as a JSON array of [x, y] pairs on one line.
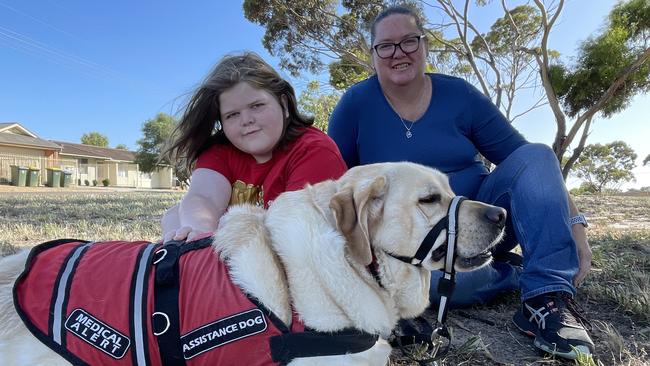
[[576, 310]]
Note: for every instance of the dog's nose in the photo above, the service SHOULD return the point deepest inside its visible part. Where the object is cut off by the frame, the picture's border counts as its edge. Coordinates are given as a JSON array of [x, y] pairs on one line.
[[497, 215]]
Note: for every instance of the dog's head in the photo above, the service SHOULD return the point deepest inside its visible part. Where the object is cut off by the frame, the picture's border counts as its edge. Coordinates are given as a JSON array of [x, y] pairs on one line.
[[389, 208]]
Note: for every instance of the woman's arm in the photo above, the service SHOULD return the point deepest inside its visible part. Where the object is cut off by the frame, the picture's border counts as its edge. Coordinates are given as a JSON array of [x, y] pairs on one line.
[[342, 128], [200, 209]]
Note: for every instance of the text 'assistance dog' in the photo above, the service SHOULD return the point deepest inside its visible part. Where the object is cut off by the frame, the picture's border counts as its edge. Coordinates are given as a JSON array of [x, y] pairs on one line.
[[320, 278]]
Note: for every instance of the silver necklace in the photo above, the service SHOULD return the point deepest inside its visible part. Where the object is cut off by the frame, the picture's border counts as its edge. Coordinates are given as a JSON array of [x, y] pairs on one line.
[[408, 128], [409, 134]]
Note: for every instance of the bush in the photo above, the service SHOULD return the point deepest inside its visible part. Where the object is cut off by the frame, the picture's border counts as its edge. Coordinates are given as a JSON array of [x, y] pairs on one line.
[[86, 182], [79, 181], [106, 182], [94, 182]]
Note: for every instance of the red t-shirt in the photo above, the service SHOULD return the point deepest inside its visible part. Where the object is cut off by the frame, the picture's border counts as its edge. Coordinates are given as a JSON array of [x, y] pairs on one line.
[[311, 158]]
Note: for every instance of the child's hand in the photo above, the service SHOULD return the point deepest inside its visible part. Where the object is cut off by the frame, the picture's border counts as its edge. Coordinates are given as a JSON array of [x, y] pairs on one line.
[[185, 233]]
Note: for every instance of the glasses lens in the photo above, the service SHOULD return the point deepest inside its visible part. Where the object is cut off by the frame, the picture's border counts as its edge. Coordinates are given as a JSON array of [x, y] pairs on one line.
[[410, 45], [385, 50]]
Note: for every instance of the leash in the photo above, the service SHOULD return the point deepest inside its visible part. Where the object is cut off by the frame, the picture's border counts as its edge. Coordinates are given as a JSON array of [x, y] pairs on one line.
[[286, 347], [438, 340]]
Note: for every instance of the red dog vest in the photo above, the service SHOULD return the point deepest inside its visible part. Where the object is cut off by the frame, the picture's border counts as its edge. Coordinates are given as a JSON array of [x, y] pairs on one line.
[[93, 303]]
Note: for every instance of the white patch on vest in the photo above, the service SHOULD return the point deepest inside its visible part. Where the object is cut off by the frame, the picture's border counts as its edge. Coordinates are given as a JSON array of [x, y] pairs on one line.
[[223, 331], [96, 333]]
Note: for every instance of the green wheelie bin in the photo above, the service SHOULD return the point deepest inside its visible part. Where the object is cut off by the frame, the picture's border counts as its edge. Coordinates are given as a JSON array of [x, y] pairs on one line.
[[66, 178], [53, 177], [33, 176], [18, 175]]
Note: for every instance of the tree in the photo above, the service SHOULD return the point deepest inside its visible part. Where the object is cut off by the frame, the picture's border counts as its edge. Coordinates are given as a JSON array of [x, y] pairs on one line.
[[317, 103], [505, 62], [121, 147], [94, 139], [606, 166], [157, 132], [612, 68], [646, 160]]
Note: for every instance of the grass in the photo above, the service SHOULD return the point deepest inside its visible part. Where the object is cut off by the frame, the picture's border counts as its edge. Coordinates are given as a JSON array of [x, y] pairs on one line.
[[29, 219], [616, 295]]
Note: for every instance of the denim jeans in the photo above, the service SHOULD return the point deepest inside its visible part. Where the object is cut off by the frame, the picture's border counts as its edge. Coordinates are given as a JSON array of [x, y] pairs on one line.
[[529, 185]]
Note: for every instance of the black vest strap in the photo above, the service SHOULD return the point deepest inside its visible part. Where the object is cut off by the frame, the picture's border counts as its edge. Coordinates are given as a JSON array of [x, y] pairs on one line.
[[286, 347], [166, 324], [166, 320]]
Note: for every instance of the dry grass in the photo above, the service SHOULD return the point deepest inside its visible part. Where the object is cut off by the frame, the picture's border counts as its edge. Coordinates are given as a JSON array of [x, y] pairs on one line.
[[616, 296]]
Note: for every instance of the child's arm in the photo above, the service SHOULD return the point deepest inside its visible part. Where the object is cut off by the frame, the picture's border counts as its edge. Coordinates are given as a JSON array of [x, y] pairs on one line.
[[201, 208]]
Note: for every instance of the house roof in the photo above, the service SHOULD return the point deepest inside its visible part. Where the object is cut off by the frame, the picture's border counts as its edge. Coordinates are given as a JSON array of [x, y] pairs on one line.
[[88, 151], [16, 135]]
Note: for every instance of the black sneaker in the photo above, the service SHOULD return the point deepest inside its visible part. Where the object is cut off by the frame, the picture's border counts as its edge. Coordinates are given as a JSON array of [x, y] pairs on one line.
[[557, 324]]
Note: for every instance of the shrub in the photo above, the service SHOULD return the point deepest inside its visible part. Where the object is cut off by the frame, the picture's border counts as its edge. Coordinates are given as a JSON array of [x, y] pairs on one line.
[[106, 182], [86, 182], [94, 182], [79, 181]]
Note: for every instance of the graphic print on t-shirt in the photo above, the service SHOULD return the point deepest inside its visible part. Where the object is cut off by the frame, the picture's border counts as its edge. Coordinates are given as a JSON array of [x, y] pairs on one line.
[[246, 193]]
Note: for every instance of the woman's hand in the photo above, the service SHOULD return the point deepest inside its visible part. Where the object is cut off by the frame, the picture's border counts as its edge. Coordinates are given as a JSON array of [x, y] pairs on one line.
[[584, 253]]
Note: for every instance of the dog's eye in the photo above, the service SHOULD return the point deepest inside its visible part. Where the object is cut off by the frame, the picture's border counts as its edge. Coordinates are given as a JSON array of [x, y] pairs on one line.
[[430, 199]]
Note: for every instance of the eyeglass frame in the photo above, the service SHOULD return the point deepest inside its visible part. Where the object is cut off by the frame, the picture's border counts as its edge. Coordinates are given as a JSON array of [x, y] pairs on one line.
[[398, 44]]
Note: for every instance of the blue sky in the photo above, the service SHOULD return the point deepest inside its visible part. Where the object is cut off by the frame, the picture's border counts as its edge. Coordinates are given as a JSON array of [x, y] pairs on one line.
[[68, 67]]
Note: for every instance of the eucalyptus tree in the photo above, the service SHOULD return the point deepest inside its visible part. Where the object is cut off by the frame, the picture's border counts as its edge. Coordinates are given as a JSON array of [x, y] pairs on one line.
[[511, 59]]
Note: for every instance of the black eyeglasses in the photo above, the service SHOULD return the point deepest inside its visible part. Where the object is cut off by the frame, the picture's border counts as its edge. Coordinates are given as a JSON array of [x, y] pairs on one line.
[[407, 45]]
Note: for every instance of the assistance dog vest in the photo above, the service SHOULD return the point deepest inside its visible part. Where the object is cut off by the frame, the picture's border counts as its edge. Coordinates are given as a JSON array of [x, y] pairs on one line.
[[122, 303]]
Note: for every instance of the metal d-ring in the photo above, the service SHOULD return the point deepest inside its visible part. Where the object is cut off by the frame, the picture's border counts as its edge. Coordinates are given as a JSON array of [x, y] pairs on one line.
[[166, 327], [164, 254]]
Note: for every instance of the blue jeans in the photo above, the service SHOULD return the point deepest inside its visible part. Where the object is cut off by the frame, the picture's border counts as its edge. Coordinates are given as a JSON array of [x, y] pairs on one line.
[[529, 185]]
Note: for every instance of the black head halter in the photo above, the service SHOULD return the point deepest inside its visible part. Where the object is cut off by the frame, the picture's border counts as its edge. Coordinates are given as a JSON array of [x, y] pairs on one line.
[[445, 284]]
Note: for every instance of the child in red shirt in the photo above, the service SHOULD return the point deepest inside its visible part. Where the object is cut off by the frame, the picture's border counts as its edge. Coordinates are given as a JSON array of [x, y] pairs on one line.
[[247, 142]]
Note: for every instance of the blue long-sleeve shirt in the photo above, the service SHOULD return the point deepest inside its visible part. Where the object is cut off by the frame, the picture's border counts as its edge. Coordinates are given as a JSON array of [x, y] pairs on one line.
[[459, 123]]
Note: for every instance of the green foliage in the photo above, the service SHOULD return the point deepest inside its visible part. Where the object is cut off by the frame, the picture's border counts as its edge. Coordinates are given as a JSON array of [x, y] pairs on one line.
[[106, 182], [605, 166], [503, 40], [302, 33], [585, 188], [121, 147], [94, 139], [346, 72], [299, 32], [86, 182], [94, 182], [156, 133], [646, 160], [317, 103], [604, 58]]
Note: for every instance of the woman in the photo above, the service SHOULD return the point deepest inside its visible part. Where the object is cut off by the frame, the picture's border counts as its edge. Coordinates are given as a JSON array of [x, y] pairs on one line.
[[444, 122], [246, 141]]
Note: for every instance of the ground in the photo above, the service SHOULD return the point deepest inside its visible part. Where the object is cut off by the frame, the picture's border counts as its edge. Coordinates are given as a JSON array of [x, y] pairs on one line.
[[616, 295]]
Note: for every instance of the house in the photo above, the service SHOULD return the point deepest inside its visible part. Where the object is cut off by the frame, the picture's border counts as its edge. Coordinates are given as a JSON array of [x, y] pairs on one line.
[[92, 164]]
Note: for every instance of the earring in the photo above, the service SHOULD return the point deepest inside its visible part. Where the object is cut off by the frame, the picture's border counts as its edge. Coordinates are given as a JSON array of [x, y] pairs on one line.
[[217, 126]]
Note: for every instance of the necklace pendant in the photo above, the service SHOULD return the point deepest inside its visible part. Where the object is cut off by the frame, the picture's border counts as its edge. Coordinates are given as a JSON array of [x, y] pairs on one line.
[[408, 134]]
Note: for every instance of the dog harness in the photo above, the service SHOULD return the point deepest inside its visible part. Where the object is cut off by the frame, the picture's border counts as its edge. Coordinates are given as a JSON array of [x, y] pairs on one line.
[[142, 303]]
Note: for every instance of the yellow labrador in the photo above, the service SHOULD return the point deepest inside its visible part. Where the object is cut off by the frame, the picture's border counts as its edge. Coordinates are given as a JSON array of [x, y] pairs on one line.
[[310, 254]]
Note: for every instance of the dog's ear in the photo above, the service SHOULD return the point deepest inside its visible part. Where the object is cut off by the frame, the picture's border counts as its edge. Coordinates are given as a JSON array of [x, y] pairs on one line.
[[350, 208]]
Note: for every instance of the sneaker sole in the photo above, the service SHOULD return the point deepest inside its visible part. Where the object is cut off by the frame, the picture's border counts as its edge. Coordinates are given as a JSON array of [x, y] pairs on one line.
[[551, 348]]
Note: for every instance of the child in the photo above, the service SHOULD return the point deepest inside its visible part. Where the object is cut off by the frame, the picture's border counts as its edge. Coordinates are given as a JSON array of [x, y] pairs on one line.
[[242, 134]]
